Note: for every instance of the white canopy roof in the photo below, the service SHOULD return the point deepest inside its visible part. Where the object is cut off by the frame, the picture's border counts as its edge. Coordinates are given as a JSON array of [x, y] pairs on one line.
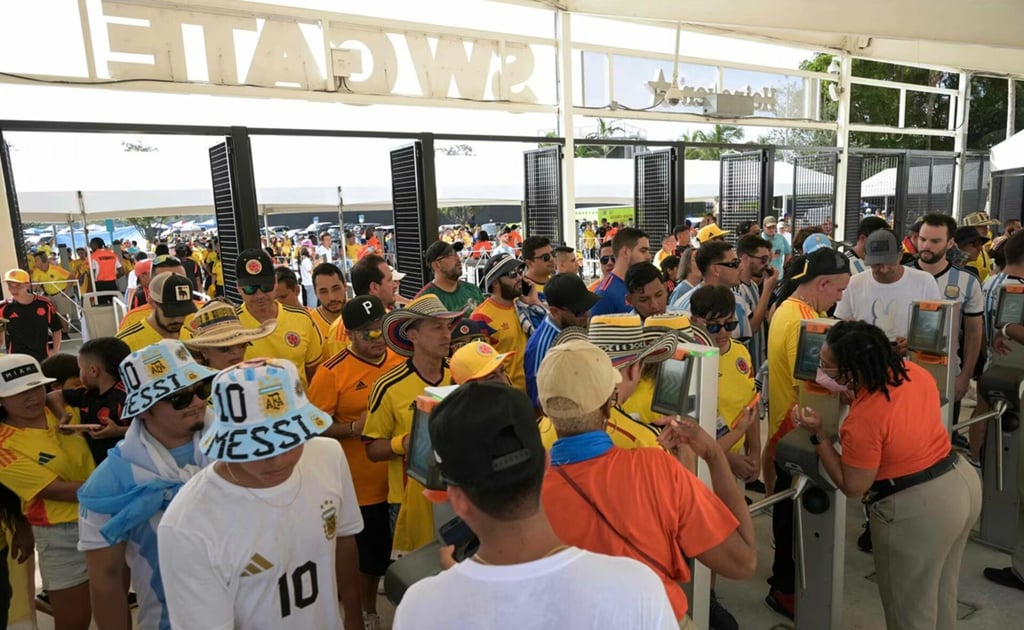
[[1009, 153]]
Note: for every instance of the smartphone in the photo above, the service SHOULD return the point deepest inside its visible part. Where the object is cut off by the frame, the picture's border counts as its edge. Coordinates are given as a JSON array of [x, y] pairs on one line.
[[82, 427], [527, 287], [458, 534]]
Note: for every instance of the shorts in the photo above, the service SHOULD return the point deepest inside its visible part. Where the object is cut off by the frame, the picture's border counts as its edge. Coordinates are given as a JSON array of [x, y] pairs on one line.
[[61, 564], [374, 542]]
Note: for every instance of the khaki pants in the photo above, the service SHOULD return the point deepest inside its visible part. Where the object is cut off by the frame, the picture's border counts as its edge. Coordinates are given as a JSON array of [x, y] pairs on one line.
[[919, 536]]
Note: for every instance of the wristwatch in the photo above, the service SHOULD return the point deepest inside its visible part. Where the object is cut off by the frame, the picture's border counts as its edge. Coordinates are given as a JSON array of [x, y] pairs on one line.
[[815, 440]]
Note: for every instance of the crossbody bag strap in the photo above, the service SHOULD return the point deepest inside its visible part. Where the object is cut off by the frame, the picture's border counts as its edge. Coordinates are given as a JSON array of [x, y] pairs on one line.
[[643, 554]]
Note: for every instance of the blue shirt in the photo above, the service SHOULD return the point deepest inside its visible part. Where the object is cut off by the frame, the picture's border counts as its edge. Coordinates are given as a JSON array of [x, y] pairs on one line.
[[780, 249], [536, 349], [681, 289], [612, 290]]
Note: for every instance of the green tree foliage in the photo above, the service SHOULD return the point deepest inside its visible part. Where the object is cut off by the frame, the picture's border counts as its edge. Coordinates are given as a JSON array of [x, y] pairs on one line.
[[719, 134]]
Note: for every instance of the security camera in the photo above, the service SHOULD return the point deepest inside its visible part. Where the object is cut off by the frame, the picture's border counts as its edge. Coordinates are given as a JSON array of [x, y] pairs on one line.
[[673, 96]]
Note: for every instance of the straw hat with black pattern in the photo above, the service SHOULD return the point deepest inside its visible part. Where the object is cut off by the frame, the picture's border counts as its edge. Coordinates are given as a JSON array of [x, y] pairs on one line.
[[622, 338], [217, 326], [396, 323], [672, 321]]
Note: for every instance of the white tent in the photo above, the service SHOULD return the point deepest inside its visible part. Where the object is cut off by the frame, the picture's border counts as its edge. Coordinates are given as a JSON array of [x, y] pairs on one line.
[[1009, 153]]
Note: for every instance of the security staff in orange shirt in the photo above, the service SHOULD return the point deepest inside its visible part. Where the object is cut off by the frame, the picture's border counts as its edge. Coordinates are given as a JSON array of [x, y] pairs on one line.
[[105, 266]]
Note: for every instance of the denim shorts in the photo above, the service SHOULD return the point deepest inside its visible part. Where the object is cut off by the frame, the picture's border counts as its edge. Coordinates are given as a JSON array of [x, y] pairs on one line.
[[61, 564]]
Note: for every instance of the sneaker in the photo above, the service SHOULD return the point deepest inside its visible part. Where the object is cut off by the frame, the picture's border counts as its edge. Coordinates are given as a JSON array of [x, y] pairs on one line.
[[371, 621], [1004, 577], [719, 618], [782, 603], [864, 540]]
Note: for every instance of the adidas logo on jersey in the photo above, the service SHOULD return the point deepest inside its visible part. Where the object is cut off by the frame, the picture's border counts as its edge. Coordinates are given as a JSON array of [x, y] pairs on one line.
[[361, 385], [257, 564], [45, 458]]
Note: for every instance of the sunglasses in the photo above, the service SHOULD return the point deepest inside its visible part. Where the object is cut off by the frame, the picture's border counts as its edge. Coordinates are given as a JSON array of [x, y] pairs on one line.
[[545, 257], [607, 259], [370, 335], [729, 326], [764, 259], [253, 289], [515, 273], [732, 264], [181, 400]]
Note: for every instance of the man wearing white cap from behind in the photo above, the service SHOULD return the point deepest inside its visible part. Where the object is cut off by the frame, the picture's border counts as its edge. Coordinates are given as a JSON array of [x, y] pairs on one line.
[[264, 538], [121, 504]]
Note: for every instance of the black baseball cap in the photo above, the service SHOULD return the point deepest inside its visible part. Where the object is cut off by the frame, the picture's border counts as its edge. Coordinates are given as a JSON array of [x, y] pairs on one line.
[[466, 330], [820, 262], [485, 434], [440, 249], [969, 234], [254, 267], [567, 291], [361, 310], [173, 292]]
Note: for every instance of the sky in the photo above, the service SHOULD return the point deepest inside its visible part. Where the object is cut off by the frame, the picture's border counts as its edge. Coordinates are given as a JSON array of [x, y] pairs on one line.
[[45, 37]]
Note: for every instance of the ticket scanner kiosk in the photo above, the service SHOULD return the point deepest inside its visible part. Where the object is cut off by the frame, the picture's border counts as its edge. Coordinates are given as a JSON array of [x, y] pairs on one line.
[[1002, 387], [820, 512], [932, 344]]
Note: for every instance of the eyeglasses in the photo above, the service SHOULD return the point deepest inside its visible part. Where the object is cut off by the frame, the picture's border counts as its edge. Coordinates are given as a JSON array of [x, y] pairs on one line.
[[728, 326], [181, 400], [607, 259], [545, 257], [370, 335], [253, 289], [732, 264]]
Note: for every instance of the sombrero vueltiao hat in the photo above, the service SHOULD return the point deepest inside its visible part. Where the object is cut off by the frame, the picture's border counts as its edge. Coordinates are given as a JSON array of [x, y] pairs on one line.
[[216, 326], [673, 321], [396, 323], [622, 338]]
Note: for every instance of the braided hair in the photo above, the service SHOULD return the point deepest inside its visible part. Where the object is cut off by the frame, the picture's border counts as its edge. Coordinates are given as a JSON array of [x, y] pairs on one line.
[[866, 357]]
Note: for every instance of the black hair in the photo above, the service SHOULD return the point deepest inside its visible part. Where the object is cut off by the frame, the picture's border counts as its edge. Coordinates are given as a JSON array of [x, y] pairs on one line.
[[109, 352], [182, 250], [640, 275], [709, 302], [169, 261], [563, 249], [366, 271], [1013, 249], [607, 244], [532, 244], [97, 243], [750, 243], [936, 219], [667, 263], [868, 225], [865, 356], [482, 236], [626, 237], [161, 250], [710, 253], [509, 501], [286, 277], [40, 255], [61, 366], [140, 256], [327, 269]]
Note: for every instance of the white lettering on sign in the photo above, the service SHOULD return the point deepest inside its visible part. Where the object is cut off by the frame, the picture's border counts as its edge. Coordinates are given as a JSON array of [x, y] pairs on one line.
[[276, 50]]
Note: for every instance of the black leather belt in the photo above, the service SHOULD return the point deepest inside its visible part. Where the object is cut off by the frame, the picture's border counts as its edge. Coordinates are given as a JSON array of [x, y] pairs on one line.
[[886, 487]]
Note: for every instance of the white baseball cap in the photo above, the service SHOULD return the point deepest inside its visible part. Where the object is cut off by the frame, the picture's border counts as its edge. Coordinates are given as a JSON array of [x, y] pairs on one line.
[[20, 373]]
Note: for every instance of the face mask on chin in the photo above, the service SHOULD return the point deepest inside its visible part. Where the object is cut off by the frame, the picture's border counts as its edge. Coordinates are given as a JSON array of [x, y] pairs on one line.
[[829, 383]]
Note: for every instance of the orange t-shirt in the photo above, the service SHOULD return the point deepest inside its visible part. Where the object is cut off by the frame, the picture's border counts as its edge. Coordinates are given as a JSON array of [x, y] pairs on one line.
[[321, 323], [341, 387], [663, 508], [481, 246], [900, 436]]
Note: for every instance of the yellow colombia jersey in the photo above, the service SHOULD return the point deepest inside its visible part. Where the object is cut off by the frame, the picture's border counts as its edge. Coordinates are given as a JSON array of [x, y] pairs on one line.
[[31, 459], [139, 335], [139, 313], [735, 387], [321, 322], [390, 410], [638, 404], [296, 338], [506, 334], [624, 431], [52, 280]]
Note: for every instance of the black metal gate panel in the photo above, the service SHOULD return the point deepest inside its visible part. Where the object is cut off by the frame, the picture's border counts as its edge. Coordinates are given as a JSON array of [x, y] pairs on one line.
[[12, 200], [929, 189], [853, 214], [415, 216], [655, 191], [882, 186], [977, 171], [745, 188], [1008, 195], [814, 190], [234, 204], [543, 193]]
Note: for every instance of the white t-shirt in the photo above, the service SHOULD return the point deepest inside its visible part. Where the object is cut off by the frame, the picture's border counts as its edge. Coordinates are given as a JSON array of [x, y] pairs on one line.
[[326, 253], [230, 560], [570, 590], [886, 305], [306, 271]]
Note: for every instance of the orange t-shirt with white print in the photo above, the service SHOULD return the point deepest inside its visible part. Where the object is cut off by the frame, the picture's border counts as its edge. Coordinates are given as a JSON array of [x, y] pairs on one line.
[[341, 387], [899, 436]]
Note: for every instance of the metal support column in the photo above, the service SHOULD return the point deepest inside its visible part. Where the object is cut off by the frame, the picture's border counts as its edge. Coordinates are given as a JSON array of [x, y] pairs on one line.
[[13, 253], [565, 99], [963, 99], [843, 142]]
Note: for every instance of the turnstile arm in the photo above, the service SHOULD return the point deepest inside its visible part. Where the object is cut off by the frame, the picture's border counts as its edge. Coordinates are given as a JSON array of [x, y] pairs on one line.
[[995, 414], [793, 493]]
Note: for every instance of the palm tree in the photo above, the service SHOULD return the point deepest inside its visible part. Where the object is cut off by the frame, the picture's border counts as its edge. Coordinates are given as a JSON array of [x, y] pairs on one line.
[[720, 134]]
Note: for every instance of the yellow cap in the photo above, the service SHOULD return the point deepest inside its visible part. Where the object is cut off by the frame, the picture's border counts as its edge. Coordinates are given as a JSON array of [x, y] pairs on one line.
[[475, 360], [17, 275]]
